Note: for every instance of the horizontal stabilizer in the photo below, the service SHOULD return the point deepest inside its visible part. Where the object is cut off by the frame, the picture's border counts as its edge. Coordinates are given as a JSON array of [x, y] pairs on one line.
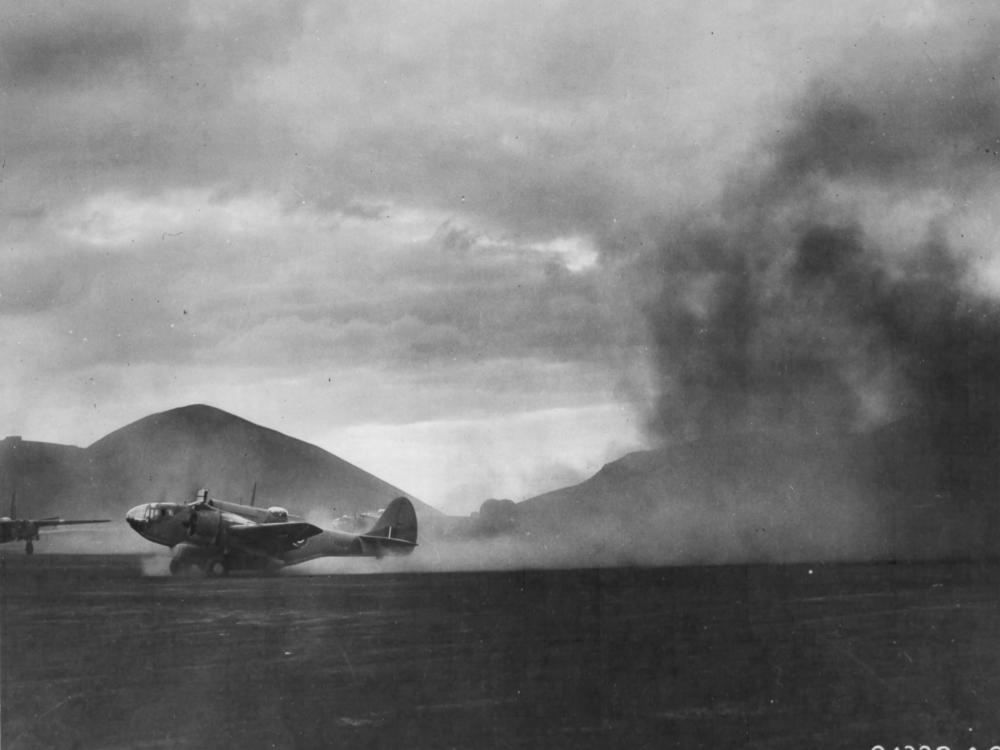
[[387, 541]]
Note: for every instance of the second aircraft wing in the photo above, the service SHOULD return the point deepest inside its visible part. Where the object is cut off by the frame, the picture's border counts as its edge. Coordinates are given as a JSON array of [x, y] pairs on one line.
[[270, 534]]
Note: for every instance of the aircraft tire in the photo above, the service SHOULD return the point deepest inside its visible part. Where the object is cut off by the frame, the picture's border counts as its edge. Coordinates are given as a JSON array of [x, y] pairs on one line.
[[216, 567]]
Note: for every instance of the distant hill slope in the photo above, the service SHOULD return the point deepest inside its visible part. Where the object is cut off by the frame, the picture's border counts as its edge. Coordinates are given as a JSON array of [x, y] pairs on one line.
[[170, 455], [36, 471], [883, 494]]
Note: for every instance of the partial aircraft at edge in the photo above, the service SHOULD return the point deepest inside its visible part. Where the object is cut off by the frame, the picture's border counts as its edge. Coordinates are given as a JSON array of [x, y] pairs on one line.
[[216, 536], [14, 529]]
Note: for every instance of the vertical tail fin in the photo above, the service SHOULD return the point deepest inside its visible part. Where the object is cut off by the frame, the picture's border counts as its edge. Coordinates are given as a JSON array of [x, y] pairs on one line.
[[397, 524]]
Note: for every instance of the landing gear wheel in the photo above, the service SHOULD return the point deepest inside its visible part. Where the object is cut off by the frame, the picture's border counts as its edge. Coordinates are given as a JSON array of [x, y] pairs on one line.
[[216, 567], [29, 548]]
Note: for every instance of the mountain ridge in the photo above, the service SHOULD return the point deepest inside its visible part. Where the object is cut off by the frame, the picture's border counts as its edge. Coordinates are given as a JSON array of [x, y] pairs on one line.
[[171, 454], [887, 493]]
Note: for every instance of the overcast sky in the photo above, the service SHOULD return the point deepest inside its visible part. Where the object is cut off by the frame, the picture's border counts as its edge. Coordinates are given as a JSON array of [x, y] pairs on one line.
[[411, 233]]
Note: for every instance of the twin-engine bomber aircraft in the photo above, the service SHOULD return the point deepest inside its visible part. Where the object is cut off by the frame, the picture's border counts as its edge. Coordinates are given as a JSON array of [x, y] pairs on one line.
[[216, 536], [14, 529]]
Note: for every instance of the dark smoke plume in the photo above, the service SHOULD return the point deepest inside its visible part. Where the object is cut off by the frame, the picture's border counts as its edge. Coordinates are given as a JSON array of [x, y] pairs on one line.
[[835, 292]]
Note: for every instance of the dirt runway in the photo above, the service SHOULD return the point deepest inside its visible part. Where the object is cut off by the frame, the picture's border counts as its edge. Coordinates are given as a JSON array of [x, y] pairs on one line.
[[94, 654]]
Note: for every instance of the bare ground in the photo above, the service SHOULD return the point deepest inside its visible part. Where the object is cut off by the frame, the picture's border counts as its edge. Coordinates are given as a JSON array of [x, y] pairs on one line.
[[94, 654]]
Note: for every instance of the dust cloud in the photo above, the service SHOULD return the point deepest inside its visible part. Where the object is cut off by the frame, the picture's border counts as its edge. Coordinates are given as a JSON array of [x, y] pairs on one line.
[[841, 299], [825, 339]]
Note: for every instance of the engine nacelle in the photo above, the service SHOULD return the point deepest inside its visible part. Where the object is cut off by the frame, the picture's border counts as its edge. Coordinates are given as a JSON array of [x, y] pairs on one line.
[[204, 524]]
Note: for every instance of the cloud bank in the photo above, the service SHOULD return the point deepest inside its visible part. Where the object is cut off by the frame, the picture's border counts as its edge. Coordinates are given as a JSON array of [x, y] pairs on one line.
[[395, 214]]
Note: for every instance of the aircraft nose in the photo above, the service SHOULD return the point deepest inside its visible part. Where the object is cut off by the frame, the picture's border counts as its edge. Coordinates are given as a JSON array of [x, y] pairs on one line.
[[136, 517]]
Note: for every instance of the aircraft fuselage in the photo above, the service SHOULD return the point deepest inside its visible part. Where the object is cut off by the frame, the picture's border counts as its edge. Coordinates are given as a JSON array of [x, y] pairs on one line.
[[217, 536]]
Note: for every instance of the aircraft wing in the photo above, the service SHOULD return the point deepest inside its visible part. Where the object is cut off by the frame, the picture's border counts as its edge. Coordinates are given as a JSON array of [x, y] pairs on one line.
[[274, 534], [42, 522]]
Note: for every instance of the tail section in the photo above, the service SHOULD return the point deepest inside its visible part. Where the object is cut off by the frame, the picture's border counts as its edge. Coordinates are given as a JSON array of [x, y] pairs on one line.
[[396, 529]]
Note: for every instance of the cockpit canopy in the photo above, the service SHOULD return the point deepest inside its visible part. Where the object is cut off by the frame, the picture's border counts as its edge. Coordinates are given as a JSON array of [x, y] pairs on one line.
[[156, 511], [277, 513]]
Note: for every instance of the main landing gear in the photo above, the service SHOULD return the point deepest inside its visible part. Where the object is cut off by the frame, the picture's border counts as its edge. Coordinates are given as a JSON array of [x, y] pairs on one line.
[[217, 566], [212, 567]]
